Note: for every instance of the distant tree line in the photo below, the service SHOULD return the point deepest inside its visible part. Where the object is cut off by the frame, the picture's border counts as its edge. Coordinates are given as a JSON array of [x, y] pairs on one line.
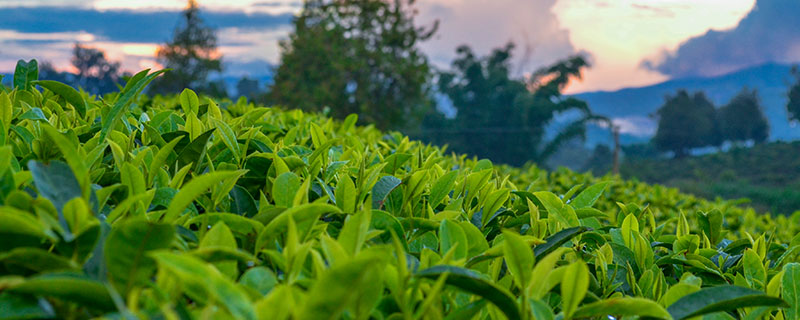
[[94, 73], [688, 121]]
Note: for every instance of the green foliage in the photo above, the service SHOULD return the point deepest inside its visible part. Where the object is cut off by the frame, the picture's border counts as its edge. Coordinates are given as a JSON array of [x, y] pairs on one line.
[[492, 103], [290, 215], [742, 119], [356, 57], [95, 73], [767, 174], [686, 122]]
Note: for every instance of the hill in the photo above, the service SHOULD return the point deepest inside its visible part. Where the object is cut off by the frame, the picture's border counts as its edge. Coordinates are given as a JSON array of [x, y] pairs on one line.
[[767, 174], [634, 105]]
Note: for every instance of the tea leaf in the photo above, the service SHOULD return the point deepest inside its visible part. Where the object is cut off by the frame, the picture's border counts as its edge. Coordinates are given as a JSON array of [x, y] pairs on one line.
[[791, 289], [720, 298], [68, 93], [126, 252], [589, 196], [622, 307], [574, 285], [473, 283], [194, 189]]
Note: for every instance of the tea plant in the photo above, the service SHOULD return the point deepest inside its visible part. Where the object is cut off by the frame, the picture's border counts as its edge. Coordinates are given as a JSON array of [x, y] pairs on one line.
[[127, 206]]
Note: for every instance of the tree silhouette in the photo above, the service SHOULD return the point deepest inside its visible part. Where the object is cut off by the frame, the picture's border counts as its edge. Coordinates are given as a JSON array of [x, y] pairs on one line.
[[356, 56], [247, 87], [743, 119], [686, 122], [793, 106], [191, 54], [503, 118], [96, 74]]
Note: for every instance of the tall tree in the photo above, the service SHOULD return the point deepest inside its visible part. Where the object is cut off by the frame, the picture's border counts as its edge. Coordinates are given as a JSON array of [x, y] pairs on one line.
[[714, 136], [191, 54], [356, 56], [501, 117], [685, 122], [793, 106], [743, 119]]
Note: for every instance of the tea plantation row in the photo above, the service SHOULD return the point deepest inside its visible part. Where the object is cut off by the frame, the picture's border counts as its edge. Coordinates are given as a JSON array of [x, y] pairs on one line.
[[132, 207]]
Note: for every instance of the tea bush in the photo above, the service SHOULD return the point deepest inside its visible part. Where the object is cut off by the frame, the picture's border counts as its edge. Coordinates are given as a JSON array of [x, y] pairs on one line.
[[128, 206]]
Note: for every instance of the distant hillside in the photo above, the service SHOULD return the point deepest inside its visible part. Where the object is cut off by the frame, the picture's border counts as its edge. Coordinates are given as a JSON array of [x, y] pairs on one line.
[[636, 104], [768, 174]]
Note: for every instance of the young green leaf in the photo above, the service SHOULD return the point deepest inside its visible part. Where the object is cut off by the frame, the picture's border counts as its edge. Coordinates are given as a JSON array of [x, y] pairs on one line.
[[791, 289], [285, 188], [189, 101], [25, 73], [194, 189], [519, 257], [441, 188], [68, 93], [345, 194], [126, 252], [555, 207], [352, 285], [588, 197], [195, 272], [574, 285], [132, 89], [382, 188], [228, 137], [452, 236]]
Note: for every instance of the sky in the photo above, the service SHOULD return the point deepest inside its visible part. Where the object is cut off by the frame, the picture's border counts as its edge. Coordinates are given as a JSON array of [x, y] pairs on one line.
[[629, 42]]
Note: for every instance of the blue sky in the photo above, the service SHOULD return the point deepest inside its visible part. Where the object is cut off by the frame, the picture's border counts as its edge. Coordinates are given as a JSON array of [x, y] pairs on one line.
[[630, 42]]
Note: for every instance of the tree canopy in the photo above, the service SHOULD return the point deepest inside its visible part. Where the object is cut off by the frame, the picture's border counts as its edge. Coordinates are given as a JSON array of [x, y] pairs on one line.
[[356, 56], [191, 54], [502, 117], [685, 122], [742, 119], [95, 73], [793, 105]]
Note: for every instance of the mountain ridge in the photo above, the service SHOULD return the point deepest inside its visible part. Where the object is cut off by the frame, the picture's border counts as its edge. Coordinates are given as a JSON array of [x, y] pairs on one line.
[[633, 106]]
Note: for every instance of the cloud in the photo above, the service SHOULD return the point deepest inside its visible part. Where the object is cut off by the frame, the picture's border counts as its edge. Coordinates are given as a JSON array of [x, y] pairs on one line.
[[657, 11], [488, 24], [769, 33], [131, 37], [125, 25]]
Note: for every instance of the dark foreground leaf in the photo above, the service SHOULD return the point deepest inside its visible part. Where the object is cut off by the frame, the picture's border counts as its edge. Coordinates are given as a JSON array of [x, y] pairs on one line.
[[722, 298]]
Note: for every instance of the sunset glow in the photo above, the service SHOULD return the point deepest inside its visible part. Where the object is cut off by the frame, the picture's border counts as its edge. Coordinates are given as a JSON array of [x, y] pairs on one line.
[[619, 36]]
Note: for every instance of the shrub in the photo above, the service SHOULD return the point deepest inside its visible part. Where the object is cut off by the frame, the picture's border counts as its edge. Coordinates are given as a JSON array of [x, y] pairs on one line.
[[187, 207]]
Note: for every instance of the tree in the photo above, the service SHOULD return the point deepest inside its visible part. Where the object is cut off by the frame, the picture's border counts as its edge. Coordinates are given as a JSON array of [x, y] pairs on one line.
[[191, 54], [247, 87], [356, 56], [96, 74], [503, 118], [793, 106], [686, 122], [743, 119], [714, 136], [601, 161]]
